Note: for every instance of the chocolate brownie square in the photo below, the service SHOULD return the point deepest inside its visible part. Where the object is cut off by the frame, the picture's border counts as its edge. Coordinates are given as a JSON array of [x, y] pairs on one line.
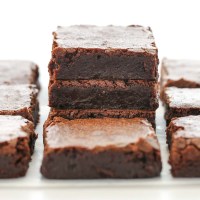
[[180, 102], [100, 148], [184, 138], [20, 100], [102, 113], [18, 72], [17, 141], [180, 73], [104, 52], [104, 94]]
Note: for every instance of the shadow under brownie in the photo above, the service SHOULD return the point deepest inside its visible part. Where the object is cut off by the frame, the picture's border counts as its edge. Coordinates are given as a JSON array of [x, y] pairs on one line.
[[100, 148]]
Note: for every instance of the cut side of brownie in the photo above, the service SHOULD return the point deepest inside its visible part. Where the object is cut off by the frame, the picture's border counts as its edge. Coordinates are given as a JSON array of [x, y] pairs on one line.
[[103, 94], [17, 141], [100, 148], [20, 100], [184, 139]]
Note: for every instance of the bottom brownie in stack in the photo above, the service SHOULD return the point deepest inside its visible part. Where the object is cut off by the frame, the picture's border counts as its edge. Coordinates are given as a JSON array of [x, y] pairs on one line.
[[101, 113], [100, 148]]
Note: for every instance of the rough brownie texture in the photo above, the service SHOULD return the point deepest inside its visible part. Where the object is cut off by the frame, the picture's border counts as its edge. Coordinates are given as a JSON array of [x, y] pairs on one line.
[[184, 136], [101, 113], [20, 100], [17, 141], [180, 102], [99, 94], [18, 72], [100, 148], [180, 73], [108, 53]]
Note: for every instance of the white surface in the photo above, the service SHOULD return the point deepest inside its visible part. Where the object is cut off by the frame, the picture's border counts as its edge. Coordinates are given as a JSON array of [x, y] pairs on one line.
[[26, 28]]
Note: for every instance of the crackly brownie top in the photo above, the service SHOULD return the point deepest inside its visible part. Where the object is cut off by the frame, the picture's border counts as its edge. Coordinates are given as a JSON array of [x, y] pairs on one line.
[[187, 127], [91, 133], [188, 70], [17, 72], [133, 38], [15, 97], [12, 127], [182, 97]]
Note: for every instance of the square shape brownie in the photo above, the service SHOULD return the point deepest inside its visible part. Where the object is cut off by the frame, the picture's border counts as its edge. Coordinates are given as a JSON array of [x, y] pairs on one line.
[[20, 100], [104, 52], [102, 113], [104, 94], [17, 141], [18, 72], [180, 102], [100, 148], [180, 73], [184, 138]]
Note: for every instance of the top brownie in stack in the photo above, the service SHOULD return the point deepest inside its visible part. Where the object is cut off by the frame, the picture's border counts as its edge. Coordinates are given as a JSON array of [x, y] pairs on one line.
[[109, 67]]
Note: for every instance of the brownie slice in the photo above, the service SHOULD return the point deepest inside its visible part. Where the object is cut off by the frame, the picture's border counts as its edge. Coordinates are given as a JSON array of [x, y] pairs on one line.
[[17, 141], [104, 52], [100, 148], [102, 94], [101, 113], [180, 102], [184, 136], [20, 100], [18, 72], [180, 73]]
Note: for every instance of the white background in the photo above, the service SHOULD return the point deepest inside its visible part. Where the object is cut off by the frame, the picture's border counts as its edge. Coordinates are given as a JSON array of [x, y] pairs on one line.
[[25, 33]]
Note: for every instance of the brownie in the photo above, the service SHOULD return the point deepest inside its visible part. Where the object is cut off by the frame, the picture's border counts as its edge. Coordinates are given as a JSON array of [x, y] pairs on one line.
[[103, 94], [184, 134], [100, 148], [104, 52], [180, 102], [180, 73], [101, 113], [18, 72], [17, 140], [20, 100]]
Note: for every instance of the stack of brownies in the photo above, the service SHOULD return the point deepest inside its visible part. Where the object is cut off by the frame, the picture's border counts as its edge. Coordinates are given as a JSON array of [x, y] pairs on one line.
[[19, 114], [180, 89], [103, 94]]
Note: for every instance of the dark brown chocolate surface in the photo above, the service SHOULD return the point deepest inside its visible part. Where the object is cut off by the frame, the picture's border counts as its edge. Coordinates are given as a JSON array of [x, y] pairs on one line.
[[19, 100], [18, 72], [108, 53], [180, 73], [184, 138], [101, 113], [17, 141], [99, 94], [180, 102], [100, 148]]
